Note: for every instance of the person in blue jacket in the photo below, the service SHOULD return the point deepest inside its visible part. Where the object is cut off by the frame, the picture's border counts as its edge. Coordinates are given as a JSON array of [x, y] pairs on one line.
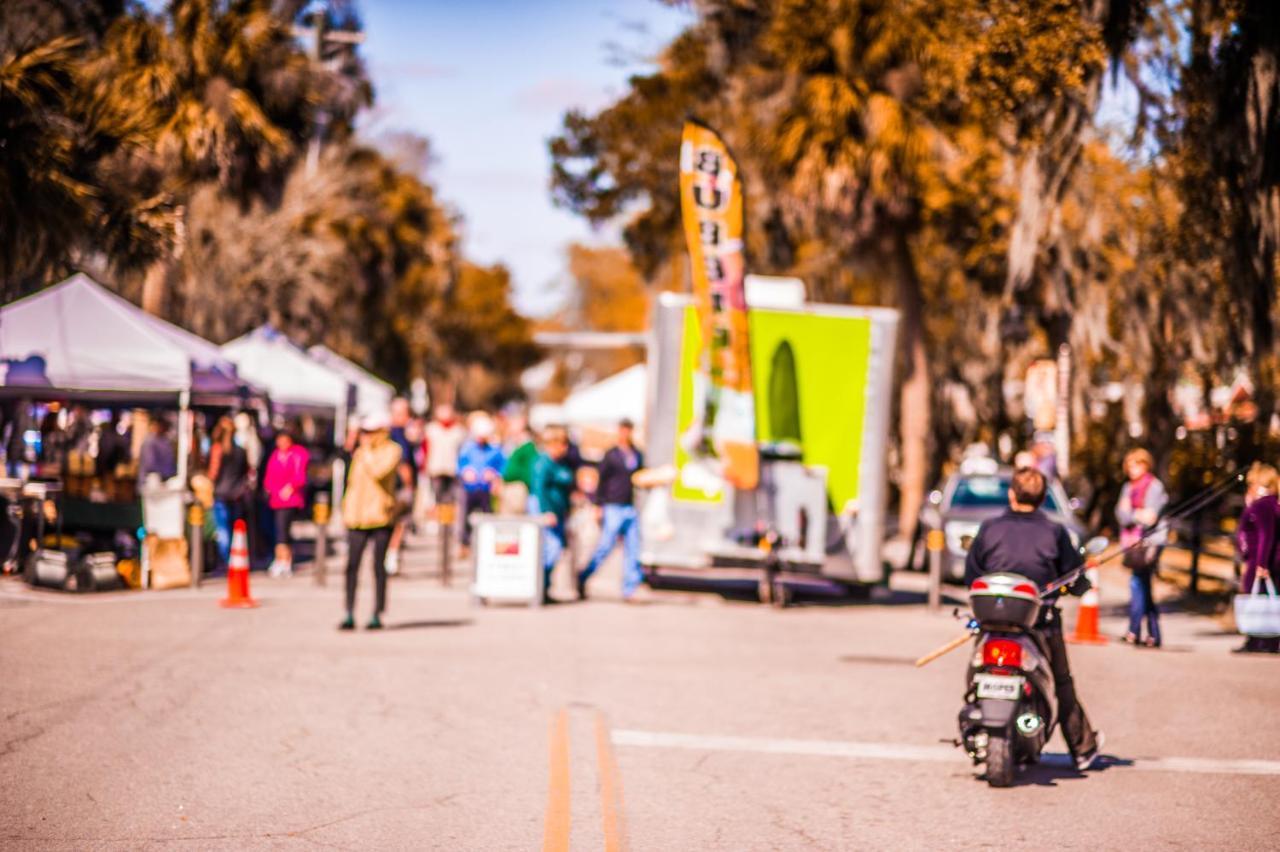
[[479, 466]]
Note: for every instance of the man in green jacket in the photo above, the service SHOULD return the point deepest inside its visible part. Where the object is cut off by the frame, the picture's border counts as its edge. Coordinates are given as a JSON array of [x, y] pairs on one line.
[[519, 471], [552, 483]]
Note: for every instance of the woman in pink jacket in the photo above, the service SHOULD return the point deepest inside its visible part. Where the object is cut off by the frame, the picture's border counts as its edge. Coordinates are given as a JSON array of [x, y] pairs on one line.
[[285, 482]]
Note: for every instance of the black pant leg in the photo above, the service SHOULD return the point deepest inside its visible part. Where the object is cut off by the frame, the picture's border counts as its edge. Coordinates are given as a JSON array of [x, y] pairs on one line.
[[1153, 611], [381, 541], [473, 501], [355, 552], [1075, 724]]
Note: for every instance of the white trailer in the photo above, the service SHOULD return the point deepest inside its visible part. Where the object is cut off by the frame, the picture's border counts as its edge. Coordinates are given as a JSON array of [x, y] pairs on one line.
[[822, 376]]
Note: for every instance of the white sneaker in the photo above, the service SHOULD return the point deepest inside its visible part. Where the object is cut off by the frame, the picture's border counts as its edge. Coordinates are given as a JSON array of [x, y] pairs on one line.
[[392, 563], [274, 569], [1087, 761]]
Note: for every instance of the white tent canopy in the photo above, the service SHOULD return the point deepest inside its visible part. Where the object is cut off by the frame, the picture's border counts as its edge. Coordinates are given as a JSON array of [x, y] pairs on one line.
[[78, 336], [373, 395], [606, 402], [291, 377]]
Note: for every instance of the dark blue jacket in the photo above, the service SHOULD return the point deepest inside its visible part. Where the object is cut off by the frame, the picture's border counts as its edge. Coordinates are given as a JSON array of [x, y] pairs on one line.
[[1025, 543], [615, 488]]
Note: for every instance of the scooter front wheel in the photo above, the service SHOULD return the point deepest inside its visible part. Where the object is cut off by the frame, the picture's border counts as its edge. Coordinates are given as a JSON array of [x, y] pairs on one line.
[[1001, 765]]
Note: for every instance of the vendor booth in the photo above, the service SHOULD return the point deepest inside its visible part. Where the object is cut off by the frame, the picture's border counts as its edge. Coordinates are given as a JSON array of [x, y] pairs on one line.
[[296, 382], [593, 411], [79, 340], [373, 395], [604, 403], [77, 343], [301, 386]]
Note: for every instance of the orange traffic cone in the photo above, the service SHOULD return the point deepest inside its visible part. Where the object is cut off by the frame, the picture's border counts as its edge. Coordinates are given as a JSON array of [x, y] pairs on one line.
[[1087, 620], [238, 571]]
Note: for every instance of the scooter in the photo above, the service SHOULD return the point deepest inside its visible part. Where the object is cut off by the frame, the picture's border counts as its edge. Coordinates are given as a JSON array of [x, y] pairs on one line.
[[1011, 707]]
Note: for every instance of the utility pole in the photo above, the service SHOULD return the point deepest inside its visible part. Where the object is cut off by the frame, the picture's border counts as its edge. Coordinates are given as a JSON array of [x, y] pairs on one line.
[[1062, 420], [317, 34]]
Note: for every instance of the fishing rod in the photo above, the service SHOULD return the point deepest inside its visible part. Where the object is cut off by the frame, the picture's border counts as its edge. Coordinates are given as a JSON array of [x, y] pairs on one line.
[[1189, 506]]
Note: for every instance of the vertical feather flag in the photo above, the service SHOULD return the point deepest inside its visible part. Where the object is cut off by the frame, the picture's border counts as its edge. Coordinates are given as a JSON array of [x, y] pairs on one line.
[[712, 211]]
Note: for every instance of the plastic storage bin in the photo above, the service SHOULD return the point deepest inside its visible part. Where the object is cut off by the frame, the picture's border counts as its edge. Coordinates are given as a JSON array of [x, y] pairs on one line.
[[164, 510]]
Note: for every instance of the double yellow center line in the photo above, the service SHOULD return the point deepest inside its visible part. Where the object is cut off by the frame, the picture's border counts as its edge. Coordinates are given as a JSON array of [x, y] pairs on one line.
[[558, 822]]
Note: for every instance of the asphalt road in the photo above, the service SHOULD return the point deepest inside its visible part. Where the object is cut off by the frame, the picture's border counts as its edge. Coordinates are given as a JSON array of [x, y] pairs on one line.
[[159, 721]]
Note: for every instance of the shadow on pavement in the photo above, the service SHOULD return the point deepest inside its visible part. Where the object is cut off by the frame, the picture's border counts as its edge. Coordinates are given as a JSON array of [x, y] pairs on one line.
[[1055, 766], [424, 625], [802, 593]]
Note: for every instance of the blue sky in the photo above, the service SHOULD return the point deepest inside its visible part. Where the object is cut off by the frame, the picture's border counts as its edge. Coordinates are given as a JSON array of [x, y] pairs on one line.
[[487, 81]]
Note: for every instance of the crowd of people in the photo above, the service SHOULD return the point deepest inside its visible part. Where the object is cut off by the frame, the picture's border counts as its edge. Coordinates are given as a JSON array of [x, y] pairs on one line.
[[402, 467]]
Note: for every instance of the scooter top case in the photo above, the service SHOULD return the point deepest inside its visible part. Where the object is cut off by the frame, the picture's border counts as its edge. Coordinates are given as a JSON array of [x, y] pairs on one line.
[[1005, 600]]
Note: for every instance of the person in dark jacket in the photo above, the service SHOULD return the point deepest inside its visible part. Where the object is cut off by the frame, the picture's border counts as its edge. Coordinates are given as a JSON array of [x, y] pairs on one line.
[[157, 454], [113, 446], [1024, 541], [615, 502], [1258, 538], [229, 470]]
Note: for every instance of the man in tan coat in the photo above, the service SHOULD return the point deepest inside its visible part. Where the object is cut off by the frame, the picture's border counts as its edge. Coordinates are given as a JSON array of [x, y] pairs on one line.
[[369, 510]]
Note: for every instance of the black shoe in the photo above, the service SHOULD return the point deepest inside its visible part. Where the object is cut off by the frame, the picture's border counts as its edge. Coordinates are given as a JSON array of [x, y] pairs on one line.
[[1252, 645], [348, 623], [375, 623]]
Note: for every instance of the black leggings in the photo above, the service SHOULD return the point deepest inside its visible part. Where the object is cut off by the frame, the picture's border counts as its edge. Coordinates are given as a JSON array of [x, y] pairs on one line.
[[356, 541]]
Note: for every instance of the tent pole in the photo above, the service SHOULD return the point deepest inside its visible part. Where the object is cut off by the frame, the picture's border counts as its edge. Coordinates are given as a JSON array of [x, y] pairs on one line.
[[339, 466], [184, 435]]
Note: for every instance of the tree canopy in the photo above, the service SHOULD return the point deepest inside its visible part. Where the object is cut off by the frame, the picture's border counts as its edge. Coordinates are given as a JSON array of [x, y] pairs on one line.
[[947, 157], [165, 153]]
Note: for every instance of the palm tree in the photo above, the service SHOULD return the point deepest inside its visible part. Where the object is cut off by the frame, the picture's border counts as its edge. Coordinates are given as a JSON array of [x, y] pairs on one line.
[[44, 206], [228, 94], [827, 90]]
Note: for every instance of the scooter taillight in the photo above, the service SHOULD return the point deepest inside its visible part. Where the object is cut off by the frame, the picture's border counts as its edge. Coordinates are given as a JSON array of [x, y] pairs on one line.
[[1003, 653]]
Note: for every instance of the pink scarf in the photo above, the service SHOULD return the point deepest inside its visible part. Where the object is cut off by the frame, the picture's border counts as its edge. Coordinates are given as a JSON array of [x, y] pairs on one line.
[[1137, 498]]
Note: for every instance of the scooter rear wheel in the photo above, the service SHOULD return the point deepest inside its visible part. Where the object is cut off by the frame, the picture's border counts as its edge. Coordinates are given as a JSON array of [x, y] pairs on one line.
[[1001, 766]]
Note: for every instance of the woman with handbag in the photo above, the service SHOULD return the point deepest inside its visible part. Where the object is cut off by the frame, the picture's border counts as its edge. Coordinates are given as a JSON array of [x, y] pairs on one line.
[[1256, 538], [1142, 498]]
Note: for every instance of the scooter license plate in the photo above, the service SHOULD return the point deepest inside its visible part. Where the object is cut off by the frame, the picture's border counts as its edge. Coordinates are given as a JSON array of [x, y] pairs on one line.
[[998, 686]]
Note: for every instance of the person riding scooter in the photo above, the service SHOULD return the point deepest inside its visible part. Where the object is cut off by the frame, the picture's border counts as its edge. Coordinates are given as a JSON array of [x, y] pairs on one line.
[[1024, 541]]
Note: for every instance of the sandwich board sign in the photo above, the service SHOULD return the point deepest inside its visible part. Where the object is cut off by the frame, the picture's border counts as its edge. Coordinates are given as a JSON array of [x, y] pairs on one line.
[[508, 559]]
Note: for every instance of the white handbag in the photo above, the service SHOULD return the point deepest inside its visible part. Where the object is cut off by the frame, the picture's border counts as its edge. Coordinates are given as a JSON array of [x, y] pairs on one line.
[[1257, 614]]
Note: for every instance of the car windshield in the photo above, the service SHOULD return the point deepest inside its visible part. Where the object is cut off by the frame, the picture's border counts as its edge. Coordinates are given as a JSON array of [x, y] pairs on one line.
[[975, 492]]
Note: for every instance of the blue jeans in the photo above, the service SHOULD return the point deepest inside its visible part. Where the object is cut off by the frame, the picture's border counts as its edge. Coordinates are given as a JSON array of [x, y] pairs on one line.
[[225, 515], [222, 534], [620, 521], [1143, 605], [553, 542]]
